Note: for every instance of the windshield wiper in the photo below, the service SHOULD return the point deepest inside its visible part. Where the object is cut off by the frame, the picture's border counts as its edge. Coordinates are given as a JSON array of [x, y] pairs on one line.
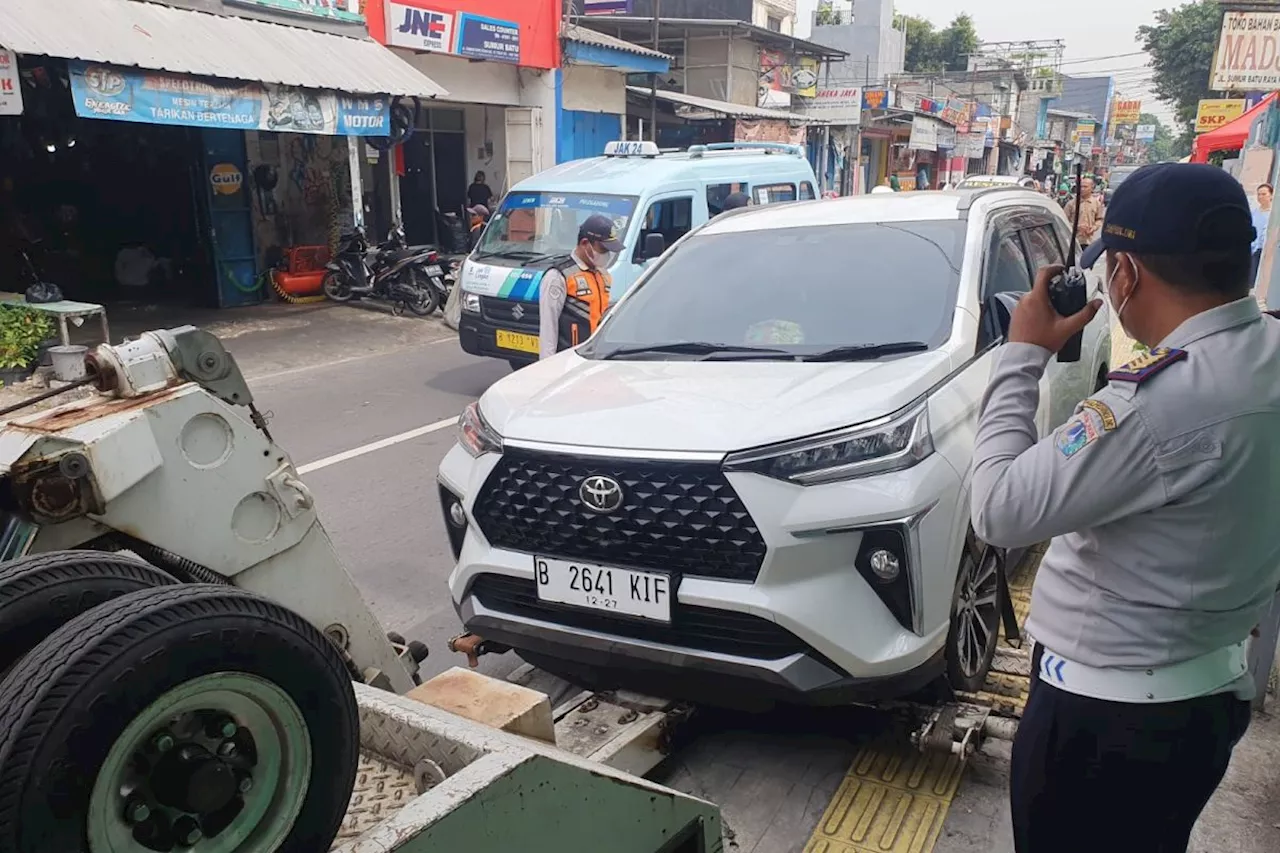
[[867, 352], [691, 348], [515, 255]]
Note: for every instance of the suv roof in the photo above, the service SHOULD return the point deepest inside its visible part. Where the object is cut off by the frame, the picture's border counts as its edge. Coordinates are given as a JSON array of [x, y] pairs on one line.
[[881, 207]]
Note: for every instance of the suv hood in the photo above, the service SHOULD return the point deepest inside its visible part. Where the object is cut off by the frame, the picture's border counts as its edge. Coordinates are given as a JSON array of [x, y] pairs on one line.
[[699, 406]]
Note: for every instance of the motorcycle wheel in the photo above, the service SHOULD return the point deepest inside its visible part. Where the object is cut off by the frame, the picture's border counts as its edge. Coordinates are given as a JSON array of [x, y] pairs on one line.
[[428, 301], [336, 287]]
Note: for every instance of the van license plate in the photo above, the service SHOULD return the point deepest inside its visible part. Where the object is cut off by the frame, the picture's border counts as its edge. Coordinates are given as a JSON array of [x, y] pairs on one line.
[[623, 591], [518, 342]]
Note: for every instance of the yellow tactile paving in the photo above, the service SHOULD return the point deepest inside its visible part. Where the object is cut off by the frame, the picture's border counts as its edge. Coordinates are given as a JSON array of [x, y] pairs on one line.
[[895, 799]]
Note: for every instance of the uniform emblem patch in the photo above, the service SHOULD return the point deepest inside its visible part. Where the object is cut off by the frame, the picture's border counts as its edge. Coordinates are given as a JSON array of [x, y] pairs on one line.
[[1104, 413], [1147, 365], [1077, 434]]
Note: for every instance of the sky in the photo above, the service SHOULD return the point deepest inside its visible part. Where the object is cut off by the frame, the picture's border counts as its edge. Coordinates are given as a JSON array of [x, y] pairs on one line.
[[1092, 29]]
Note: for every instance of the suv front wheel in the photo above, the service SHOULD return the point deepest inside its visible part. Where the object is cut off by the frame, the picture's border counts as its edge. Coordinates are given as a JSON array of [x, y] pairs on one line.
[[975, 616]]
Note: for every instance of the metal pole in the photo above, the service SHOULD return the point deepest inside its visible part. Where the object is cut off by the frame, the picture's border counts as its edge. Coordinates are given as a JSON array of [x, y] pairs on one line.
[[653, 78], [357, 188]]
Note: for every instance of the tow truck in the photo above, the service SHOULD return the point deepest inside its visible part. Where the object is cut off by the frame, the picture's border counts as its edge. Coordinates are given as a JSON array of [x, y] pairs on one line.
[[187, 664]]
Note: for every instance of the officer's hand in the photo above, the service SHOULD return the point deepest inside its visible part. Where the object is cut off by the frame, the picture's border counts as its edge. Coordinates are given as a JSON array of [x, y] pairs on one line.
[[1036, 322]]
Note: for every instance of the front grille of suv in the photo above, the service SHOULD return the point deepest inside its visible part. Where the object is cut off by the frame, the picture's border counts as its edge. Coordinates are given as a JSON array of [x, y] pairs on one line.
[[701, 628], [680, 517]]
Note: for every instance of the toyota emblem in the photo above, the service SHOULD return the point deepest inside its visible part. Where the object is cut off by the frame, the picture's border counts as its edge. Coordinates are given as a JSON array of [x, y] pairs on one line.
[[517, 311], [600, 494]]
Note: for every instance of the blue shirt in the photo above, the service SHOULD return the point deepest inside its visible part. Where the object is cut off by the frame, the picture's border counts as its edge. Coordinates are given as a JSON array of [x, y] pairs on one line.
[[1260, 219]]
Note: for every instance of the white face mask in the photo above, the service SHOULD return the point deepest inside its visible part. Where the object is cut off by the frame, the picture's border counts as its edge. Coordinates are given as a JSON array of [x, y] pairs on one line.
[[602, 260], [1125, 302]]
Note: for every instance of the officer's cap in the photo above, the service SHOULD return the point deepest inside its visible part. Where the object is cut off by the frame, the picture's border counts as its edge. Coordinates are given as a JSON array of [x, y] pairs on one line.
[[1165, 209], [600, 229]]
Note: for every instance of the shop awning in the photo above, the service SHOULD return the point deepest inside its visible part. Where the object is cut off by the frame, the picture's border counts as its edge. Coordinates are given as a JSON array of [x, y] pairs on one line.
[[162, 38], [589, 47], [1232, 136], [695, 104]]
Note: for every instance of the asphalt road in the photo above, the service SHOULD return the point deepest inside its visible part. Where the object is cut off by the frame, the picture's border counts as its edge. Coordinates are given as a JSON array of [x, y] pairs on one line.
[[381, 507]]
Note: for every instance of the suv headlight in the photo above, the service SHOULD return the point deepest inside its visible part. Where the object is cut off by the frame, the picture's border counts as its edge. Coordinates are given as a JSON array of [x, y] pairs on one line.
[[471, 302], [474, 433], [894, 443]]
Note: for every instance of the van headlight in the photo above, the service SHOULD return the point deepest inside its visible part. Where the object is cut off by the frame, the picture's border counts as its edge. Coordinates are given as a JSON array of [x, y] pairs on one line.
[[894, 443], [471, 302], [474, 433]]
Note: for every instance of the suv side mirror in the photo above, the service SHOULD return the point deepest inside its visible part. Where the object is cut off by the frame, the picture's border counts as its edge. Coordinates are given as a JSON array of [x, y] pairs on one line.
[[998, 314], [654, 245]]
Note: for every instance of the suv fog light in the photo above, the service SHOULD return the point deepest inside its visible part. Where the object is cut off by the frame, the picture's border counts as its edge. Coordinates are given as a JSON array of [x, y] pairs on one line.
[[455, 519], [458, 517], [884, 564]]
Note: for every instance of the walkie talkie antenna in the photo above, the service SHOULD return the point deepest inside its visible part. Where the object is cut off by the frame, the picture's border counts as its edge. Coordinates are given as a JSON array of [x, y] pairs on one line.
[[1075, 226]]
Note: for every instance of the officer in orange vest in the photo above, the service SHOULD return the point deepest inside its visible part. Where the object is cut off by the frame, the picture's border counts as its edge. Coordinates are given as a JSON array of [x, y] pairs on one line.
[[574, 294]]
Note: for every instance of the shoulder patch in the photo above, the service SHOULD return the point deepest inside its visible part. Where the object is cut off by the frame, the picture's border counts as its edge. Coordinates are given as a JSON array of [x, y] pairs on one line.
[[1104, 413], [1076, 434], [1147, 365]]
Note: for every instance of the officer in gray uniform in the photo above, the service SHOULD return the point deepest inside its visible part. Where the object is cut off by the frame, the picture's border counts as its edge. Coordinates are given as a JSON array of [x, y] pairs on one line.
[[1157, 495]]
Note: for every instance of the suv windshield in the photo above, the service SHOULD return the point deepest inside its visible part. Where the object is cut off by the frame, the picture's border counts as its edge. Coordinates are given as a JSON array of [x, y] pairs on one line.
[[536, 225], [793, 292]]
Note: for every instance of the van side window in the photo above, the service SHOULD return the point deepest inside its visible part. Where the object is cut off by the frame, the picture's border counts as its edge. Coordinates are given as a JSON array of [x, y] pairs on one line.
[[806, 191], [717, 193], [774, 193], [670, 217]]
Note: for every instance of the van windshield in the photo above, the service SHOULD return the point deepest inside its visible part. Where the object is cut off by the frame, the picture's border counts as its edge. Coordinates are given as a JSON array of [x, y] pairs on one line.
[[530, 226]]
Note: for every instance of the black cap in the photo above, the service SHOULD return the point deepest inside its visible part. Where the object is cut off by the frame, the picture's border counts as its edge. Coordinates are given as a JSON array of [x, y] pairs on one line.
[[600, 229], [1162, 210], [733, 201]]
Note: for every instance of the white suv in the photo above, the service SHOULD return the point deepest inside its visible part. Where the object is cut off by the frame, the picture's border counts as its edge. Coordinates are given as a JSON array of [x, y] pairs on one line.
[[753, 481]]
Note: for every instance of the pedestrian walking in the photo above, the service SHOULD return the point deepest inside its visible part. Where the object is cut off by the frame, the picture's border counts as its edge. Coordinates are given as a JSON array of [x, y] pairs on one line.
[[1163, 554], [1261, 219], [1091, 212]]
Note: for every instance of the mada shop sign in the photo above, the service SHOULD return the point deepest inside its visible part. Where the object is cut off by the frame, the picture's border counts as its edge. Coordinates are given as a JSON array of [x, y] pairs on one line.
[[1248, 56], [10, 84], [837, 105]]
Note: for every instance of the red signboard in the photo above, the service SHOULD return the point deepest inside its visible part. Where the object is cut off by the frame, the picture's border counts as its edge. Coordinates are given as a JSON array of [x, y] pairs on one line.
[[475, 29]]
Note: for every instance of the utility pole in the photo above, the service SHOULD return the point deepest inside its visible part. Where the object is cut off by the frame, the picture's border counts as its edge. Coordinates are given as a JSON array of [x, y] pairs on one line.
[[653, 78]]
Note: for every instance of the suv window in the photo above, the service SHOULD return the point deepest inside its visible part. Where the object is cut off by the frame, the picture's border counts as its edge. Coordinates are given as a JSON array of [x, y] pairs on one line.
[[1042, 247], [670, 217], [774, 193], [1063, 230], [1005, 270]]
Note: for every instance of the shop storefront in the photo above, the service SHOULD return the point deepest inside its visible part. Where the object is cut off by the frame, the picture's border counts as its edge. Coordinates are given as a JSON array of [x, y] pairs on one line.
[[497, 59], [141, 168]]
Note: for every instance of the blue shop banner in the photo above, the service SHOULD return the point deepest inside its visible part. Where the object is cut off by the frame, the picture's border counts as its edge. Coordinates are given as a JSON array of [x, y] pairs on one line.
[[488, 38], [158, 97]]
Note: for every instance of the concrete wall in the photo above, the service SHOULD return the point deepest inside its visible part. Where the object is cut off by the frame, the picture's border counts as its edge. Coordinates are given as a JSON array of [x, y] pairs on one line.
[[875, 49], [594, 90], [312, 192]]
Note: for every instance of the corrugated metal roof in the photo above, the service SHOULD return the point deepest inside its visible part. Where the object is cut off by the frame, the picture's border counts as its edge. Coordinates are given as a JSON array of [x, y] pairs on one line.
[[724, 107], [583, 35], [148, 35]]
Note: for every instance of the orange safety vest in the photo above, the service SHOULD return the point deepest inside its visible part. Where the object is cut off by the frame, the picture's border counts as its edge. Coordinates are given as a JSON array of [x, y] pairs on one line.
[[586, 299]]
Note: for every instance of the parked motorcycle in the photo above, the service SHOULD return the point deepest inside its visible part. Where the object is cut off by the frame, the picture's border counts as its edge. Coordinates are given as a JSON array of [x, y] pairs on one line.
[[392, 272]]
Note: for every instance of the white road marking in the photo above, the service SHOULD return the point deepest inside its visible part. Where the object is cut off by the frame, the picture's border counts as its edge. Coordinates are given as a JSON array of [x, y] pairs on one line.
[[363, 449]]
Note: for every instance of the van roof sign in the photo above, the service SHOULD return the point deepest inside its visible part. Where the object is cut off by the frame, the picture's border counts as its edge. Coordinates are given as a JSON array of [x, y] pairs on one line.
[[631, 148]]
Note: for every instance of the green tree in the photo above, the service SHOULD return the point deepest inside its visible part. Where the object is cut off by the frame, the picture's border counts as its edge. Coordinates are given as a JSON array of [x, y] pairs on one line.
[[827, 16], [1166, 146], [930, 50], [1181, 45]]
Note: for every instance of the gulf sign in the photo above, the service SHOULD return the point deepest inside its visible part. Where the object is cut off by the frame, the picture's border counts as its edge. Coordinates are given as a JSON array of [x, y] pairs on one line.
[[1213, 113], [1248, 56]]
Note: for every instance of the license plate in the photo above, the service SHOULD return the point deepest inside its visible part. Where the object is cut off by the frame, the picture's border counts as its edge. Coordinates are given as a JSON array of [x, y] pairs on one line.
[[518, 342], [623, 591], [434, 271]]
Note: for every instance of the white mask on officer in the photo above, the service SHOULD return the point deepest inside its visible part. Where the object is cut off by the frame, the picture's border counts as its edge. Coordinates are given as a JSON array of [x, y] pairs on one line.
[[1124, 302]]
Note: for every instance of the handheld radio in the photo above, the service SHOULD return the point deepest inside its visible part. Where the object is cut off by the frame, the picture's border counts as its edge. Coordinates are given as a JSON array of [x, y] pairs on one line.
[[1069, 290]]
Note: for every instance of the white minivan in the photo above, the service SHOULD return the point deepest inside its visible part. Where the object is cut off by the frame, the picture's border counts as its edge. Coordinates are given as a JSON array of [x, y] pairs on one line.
[[753, 480]]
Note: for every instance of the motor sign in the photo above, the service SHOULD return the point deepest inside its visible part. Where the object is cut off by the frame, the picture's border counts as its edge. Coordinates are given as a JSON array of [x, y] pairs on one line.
[[1213, 113]]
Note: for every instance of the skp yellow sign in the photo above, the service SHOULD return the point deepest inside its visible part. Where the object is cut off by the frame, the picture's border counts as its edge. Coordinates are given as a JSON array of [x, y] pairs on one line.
[[1215, 112]]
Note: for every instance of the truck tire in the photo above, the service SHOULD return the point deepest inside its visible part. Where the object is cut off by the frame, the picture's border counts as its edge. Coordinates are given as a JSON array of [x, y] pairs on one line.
[[186, 696], [41, 593]]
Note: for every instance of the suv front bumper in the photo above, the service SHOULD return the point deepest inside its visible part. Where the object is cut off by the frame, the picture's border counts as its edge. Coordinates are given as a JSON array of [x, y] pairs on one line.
[[808, 628]]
